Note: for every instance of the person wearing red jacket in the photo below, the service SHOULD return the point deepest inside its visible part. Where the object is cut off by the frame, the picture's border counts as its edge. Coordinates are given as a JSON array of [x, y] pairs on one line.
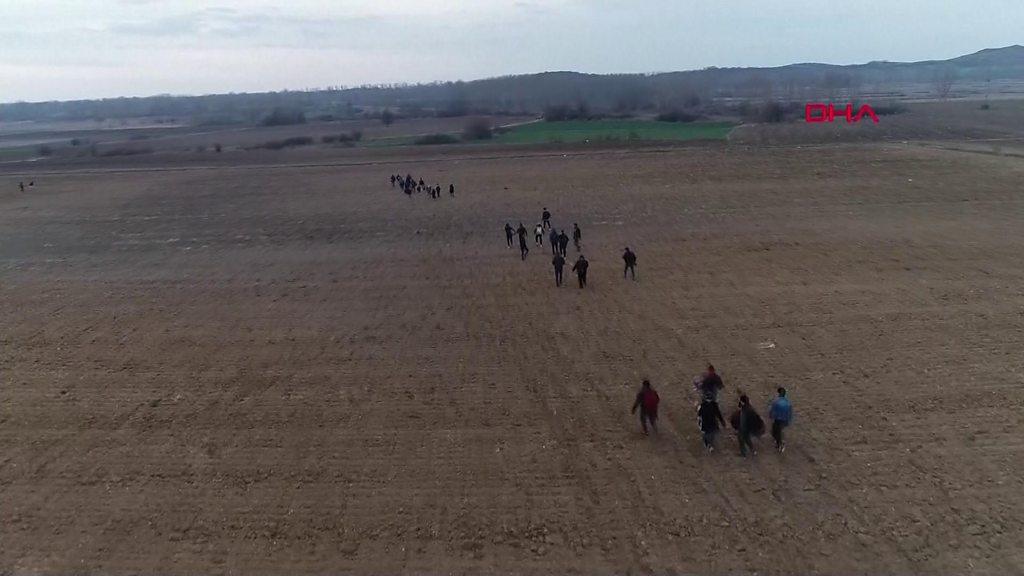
[[647, 401]]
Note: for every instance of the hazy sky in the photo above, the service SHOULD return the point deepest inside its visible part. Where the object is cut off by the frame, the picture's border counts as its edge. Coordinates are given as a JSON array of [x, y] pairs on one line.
[[68, 49]]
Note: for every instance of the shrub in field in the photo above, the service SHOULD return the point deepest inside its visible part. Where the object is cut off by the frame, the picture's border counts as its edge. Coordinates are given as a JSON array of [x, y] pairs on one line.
[[773, 112], [675, 116], [287, 143], [125, 151], [563, 112], [436, 139], [557, 113], [281, 116], [387, 117], [478, 129], [45, 150], [348, 139]]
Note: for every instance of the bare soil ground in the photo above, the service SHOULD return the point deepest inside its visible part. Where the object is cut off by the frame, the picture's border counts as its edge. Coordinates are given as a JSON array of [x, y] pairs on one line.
[[187, 139], [297, 369]]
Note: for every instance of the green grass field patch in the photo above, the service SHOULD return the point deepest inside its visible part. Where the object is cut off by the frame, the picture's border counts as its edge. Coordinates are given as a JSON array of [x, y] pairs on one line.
[[611, 130]]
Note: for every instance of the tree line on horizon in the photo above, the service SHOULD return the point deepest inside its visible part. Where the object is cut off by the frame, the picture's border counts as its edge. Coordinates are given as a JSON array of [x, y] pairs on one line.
[[555, 95]]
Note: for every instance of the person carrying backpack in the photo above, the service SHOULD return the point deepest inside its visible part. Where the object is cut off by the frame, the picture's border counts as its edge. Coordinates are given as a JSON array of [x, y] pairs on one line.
[[781, 413], [647, 401]]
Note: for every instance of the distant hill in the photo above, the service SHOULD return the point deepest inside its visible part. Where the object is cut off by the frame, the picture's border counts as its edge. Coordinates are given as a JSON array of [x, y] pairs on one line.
[[533, 93]]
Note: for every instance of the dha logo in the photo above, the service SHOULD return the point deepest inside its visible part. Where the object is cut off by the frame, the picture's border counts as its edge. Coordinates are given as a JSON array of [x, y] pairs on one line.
[[827, 113]]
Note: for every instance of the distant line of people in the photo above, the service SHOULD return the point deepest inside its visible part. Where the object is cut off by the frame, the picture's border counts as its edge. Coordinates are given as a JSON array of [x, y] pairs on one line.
[[409, 185], [744, 420]]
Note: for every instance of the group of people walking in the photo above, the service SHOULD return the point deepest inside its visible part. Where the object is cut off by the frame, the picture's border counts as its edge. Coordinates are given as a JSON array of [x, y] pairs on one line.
[[408, 184], [745, 420], [559, 242]]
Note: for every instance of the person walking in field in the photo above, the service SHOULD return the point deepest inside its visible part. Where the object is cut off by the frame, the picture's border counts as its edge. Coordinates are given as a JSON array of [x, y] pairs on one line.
[[509, 232], [546, 218], [647, 401], [392, 180], [747, 423], [553, 239], [523, 248], [580, 268], [563, 243], [21, 186], [576, 235], [710, 383], [558, 262], [451, 190], [781, 414], [709, 416], [538, 235], [630, 259]]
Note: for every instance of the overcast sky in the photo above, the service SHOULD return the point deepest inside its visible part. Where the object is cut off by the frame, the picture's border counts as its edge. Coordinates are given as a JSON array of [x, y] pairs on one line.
[[69, 49]]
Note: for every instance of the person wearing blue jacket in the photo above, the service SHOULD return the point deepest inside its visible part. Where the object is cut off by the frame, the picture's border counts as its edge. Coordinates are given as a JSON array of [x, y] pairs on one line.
[[781, 413]]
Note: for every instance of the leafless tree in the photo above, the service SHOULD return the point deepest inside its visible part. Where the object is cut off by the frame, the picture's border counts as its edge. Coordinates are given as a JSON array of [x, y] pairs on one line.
[[943, 82]]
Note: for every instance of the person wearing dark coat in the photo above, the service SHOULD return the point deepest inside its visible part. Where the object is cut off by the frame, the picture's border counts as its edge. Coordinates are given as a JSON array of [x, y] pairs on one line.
[[451, 190], [523, 248], [580, 268], [711, 382], [577, 236], [509, 232], [558, 262], [563, 243], [630, 259], [553, 238], [748, 423], [709, 416], [546, 218]]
